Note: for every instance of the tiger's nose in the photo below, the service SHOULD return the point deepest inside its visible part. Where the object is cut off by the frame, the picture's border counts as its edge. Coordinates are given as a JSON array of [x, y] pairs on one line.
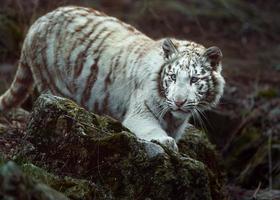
[[179, 103]]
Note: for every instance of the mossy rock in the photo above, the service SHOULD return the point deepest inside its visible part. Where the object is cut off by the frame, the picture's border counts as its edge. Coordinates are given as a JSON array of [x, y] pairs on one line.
[[195, 144], [72, 188], [98, 152], [16, 185]]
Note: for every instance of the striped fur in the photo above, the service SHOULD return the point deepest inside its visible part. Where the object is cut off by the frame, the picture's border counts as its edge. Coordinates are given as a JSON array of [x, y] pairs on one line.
[[109, 67]]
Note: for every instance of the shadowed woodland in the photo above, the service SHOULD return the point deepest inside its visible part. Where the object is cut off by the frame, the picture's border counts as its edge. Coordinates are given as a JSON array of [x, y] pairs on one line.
[[244, 128]]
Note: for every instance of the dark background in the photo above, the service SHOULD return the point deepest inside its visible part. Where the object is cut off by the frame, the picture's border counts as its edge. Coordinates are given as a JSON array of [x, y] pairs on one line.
[[246, 125]]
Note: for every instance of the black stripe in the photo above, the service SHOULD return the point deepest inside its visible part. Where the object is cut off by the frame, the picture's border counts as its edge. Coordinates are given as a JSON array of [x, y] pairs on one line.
[[50, 28], [78, 29], [58, 51], [78, 65], [94, 68]]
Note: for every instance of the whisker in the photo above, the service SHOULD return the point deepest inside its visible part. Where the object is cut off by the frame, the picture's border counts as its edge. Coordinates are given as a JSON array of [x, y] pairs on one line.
[[162, 113], [193, 117], [205, 117], [201, 114], [202, 124]]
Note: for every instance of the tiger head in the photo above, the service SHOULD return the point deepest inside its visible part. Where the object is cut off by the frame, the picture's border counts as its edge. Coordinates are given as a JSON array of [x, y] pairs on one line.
[[190, 78]]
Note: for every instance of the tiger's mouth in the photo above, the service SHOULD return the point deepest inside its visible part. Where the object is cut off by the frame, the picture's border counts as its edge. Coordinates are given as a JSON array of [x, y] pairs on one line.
[[184, 111], [181, 110]]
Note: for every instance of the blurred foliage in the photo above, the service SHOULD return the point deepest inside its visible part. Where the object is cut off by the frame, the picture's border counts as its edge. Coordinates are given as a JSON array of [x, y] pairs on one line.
[[233, 19], [10, 36], [245, 16], [257, 165]]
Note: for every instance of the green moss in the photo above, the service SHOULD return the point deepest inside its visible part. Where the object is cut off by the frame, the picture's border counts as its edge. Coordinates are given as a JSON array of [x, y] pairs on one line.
[[3, 86], [196, 145], [268, 93], [15, 184], [2, 130], [2, 160], [72, 188]]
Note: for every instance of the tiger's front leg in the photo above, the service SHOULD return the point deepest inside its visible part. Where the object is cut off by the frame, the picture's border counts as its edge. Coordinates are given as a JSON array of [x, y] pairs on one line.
[[148, 128]]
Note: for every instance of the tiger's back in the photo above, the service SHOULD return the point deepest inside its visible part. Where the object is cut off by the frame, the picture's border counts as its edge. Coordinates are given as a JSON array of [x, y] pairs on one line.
[[78, 52]]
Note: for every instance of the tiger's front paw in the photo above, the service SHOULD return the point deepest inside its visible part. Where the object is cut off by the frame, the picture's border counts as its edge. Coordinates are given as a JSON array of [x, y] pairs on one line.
[[168, 142]]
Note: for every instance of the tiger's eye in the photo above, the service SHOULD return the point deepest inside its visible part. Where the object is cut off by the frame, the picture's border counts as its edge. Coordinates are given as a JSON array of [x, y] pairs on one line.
[[173, 77], [194, 79]]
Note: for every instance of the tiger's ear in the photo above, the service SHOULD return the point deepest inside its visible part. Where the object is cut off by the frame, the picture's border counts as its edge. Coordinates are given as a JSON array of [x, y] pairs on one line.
[[169, 48], [214, 56]]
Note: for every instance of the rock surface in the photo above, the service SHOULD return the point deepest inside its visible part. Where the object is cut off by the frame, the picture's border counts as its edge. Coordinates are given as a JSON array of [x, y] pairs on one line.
[[86, 156], [15, 185]]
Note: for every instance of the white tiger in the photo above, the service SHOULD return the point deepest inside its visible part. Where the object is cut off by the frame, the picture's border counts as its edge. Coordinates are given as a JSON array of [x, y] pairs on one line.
[[109, 67]]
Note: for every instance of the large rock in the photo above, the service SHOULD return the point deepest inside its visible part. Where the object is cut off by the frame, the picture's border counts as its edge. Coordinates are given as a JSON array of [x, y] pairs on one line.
[[15, 185], [68, 141]]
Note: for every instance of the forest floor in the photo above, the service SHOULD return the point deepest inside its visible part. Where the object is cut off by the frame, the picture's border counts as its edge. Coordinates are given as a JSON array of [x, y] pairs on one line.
[[246, 126]]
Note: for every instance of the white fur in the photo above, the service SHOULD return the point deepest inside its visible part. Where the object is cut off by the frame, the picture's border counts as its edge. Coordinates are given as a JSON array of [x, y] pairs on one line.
[[133, 95]]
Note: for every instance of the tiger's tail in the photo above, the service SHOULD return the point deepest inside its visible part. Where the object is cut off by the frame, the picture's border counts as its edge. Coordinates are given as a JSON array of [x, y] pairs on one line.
[[19, 89]]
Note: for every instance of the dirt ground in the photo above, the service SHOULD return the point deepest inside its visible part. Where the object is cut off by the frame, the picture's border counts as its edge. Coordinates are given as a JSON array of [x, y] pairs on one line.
[[246, 31]]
